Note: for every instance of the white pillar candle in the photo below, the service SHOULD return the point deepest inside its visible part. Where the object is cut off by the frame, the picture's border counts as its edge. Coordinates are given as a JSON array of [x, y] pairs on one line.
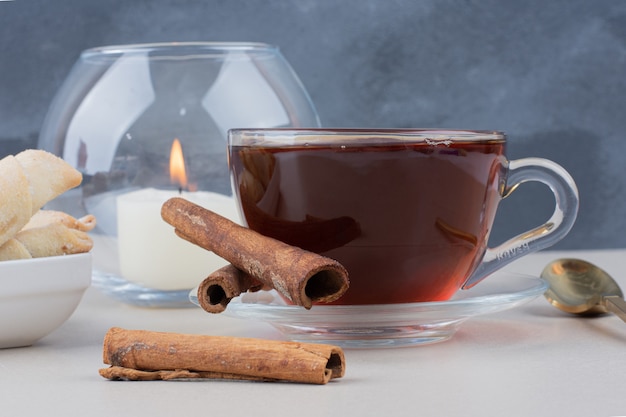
[[151, 254]]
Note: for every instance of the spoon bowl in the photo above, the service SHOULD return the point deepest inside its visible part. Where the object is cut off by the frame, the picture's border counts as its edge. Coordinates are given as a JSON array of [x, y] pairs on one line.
[[579, 287]]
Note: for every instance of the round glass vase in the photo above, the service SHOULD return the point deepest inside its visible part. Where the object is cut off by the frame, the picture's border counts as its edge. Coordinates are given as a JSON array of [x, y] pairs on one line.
[[127, 115]]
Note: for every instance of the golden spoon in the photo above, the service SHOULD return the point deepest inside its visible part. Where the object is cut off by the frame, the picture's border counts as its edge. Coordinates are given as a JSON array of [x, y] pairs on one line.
[[579, 287]]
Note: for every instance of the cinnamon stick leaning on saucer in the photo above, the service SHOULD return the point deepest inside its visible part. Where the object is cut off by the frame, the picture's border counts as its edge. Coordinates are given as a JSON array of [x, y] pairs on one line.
[[221, 286], [301, 276], [142, 355]]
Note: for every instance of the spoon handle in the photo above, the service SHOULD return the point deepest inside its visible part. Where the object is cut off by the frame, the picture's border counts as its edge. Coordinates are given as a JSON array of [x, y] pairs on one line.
[[615, 304]]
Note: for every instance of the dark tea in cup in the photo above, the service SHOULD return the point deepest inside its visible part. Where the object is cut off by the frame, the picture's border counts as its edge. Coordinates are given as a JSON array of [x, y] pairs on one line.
[[407, 212]]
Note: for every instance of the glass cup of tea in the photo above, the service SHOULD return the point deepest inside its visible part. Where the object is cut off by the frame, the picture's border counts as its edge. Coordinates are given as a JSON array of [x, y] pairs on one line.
[[408, 212]]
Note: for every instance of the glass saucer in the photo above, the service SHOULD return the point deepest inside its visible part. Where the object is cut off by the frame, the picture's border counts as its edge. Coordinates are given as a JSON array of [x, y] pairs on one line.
[[385, 325]]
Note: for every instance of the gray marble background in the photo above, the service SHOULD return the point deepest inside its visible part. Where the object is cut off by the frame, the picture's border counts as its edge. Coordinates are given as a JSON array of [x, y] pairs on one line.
[[552, 74]]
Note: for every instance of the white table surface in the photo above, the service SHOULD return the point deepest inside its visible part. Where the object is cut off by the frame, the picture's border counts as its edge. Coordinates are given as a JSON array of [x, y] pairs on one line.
[[529, 361]]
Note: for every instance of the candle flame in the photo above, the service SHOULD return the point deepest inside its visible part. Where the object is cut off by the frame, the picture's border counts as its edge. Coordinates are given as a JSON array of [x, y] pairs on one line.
[[178, 173]]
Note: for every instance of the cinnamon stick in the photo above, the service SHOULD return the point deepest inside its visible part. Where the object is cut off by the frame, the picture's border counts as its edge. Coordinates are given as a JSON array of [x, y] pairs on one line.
[[221, 286], [148, 355], [301, 276]]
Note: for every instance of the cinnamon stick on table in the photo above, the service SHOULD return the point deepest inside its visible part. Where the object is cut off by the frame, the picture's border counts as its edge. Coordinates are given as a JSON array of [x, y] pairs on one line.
[[221, 286], [147, 355], [301, 276]]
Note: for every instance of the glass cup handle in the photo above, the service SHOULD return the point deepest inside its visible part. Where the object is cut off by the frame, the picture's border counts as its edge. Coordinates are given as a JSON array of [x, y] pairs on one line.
[[541, 237]]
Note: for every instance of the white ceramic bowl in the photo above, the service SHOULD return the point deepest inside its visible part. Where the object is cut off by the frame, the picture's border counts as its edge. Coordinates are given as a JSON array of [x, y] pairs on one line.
[[38, 295]]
